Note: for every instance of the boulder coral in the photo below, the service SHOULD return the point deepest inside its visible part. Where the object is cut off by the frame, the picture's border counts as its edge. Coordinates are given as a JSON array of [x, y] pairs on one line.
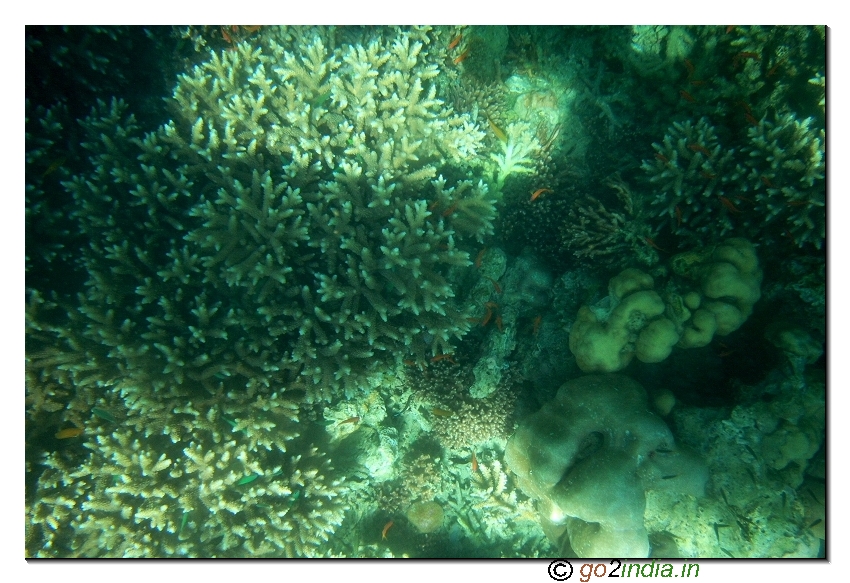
[[588, 457], [713, 294]]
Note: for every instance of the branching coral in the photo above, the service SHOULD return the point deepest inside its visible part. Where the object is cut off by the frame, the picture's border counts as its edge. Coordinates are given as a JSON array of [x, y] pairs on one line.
[[597, 233], [289, 224], [207, 493]]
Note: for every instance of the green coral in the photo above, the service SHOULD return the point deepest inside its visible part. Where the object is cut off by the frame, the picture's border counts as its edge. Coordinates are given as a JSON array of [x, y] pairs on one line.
[[770, 187]]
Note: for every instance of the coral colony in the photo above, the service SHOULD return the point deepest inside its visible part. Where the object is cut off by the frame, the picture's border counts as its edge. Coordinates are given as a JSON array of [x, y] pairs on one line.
[[452, 291]]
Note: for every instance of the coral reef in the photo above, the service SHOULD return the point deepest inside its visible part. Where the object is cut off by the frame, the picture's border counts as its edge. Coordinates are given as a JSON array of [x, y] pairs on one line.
[[308, 291]]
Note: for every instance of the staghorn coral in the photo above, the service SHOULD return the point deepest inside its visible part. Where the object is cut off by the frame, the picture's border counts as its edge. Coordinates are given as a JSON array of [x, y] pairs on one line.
[[771, 187], [784, 174], [693, 172], [208, 493], [278, 228]]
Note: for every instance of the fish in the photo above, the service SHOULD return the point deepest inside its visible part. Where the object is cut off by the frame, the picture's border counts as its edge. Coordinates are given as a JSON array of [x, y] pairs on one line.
[[678, 216], [461, 57], [500, 133], [480, 258], [496, 285], [103, 414], [440, 357], [450, 210], [729, 205], [700, 149], [687, 96], [487, 316], [320, 99], [441, 412], [387, 526], [247, 479], [455, 41], [474, 463], [54, 166], [537, 321], [349, 420], [69, 432], [538, 192], [499, 323], [652, 244]]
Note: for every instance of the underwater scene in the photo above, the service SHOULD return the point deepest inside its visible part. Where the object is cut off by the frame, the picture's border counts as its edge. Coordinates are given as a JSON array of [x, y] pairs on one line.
[[428, 292]]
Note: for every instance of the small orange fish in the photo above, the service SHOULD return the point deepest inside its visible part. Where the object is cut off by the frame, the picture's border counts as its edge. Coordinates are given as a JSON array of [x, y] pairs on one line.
[[687, 96], [440, 357], [690, 67], [678, 216], [455, 41], [730, 29], [729, 205], [766, 181], [461, 57], [487, 317], [69, 432], [662, 157], [537, 321], [349, 420], [480, 258], [474, 463], [499, 323], [538, 192], [652, 244], [751, 120], [409, 362], [697, 83], [496, 285], [700, 149], [450, 210], [774, 68], [387, 526], [441, 412], [707, 175], [500, 133]]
